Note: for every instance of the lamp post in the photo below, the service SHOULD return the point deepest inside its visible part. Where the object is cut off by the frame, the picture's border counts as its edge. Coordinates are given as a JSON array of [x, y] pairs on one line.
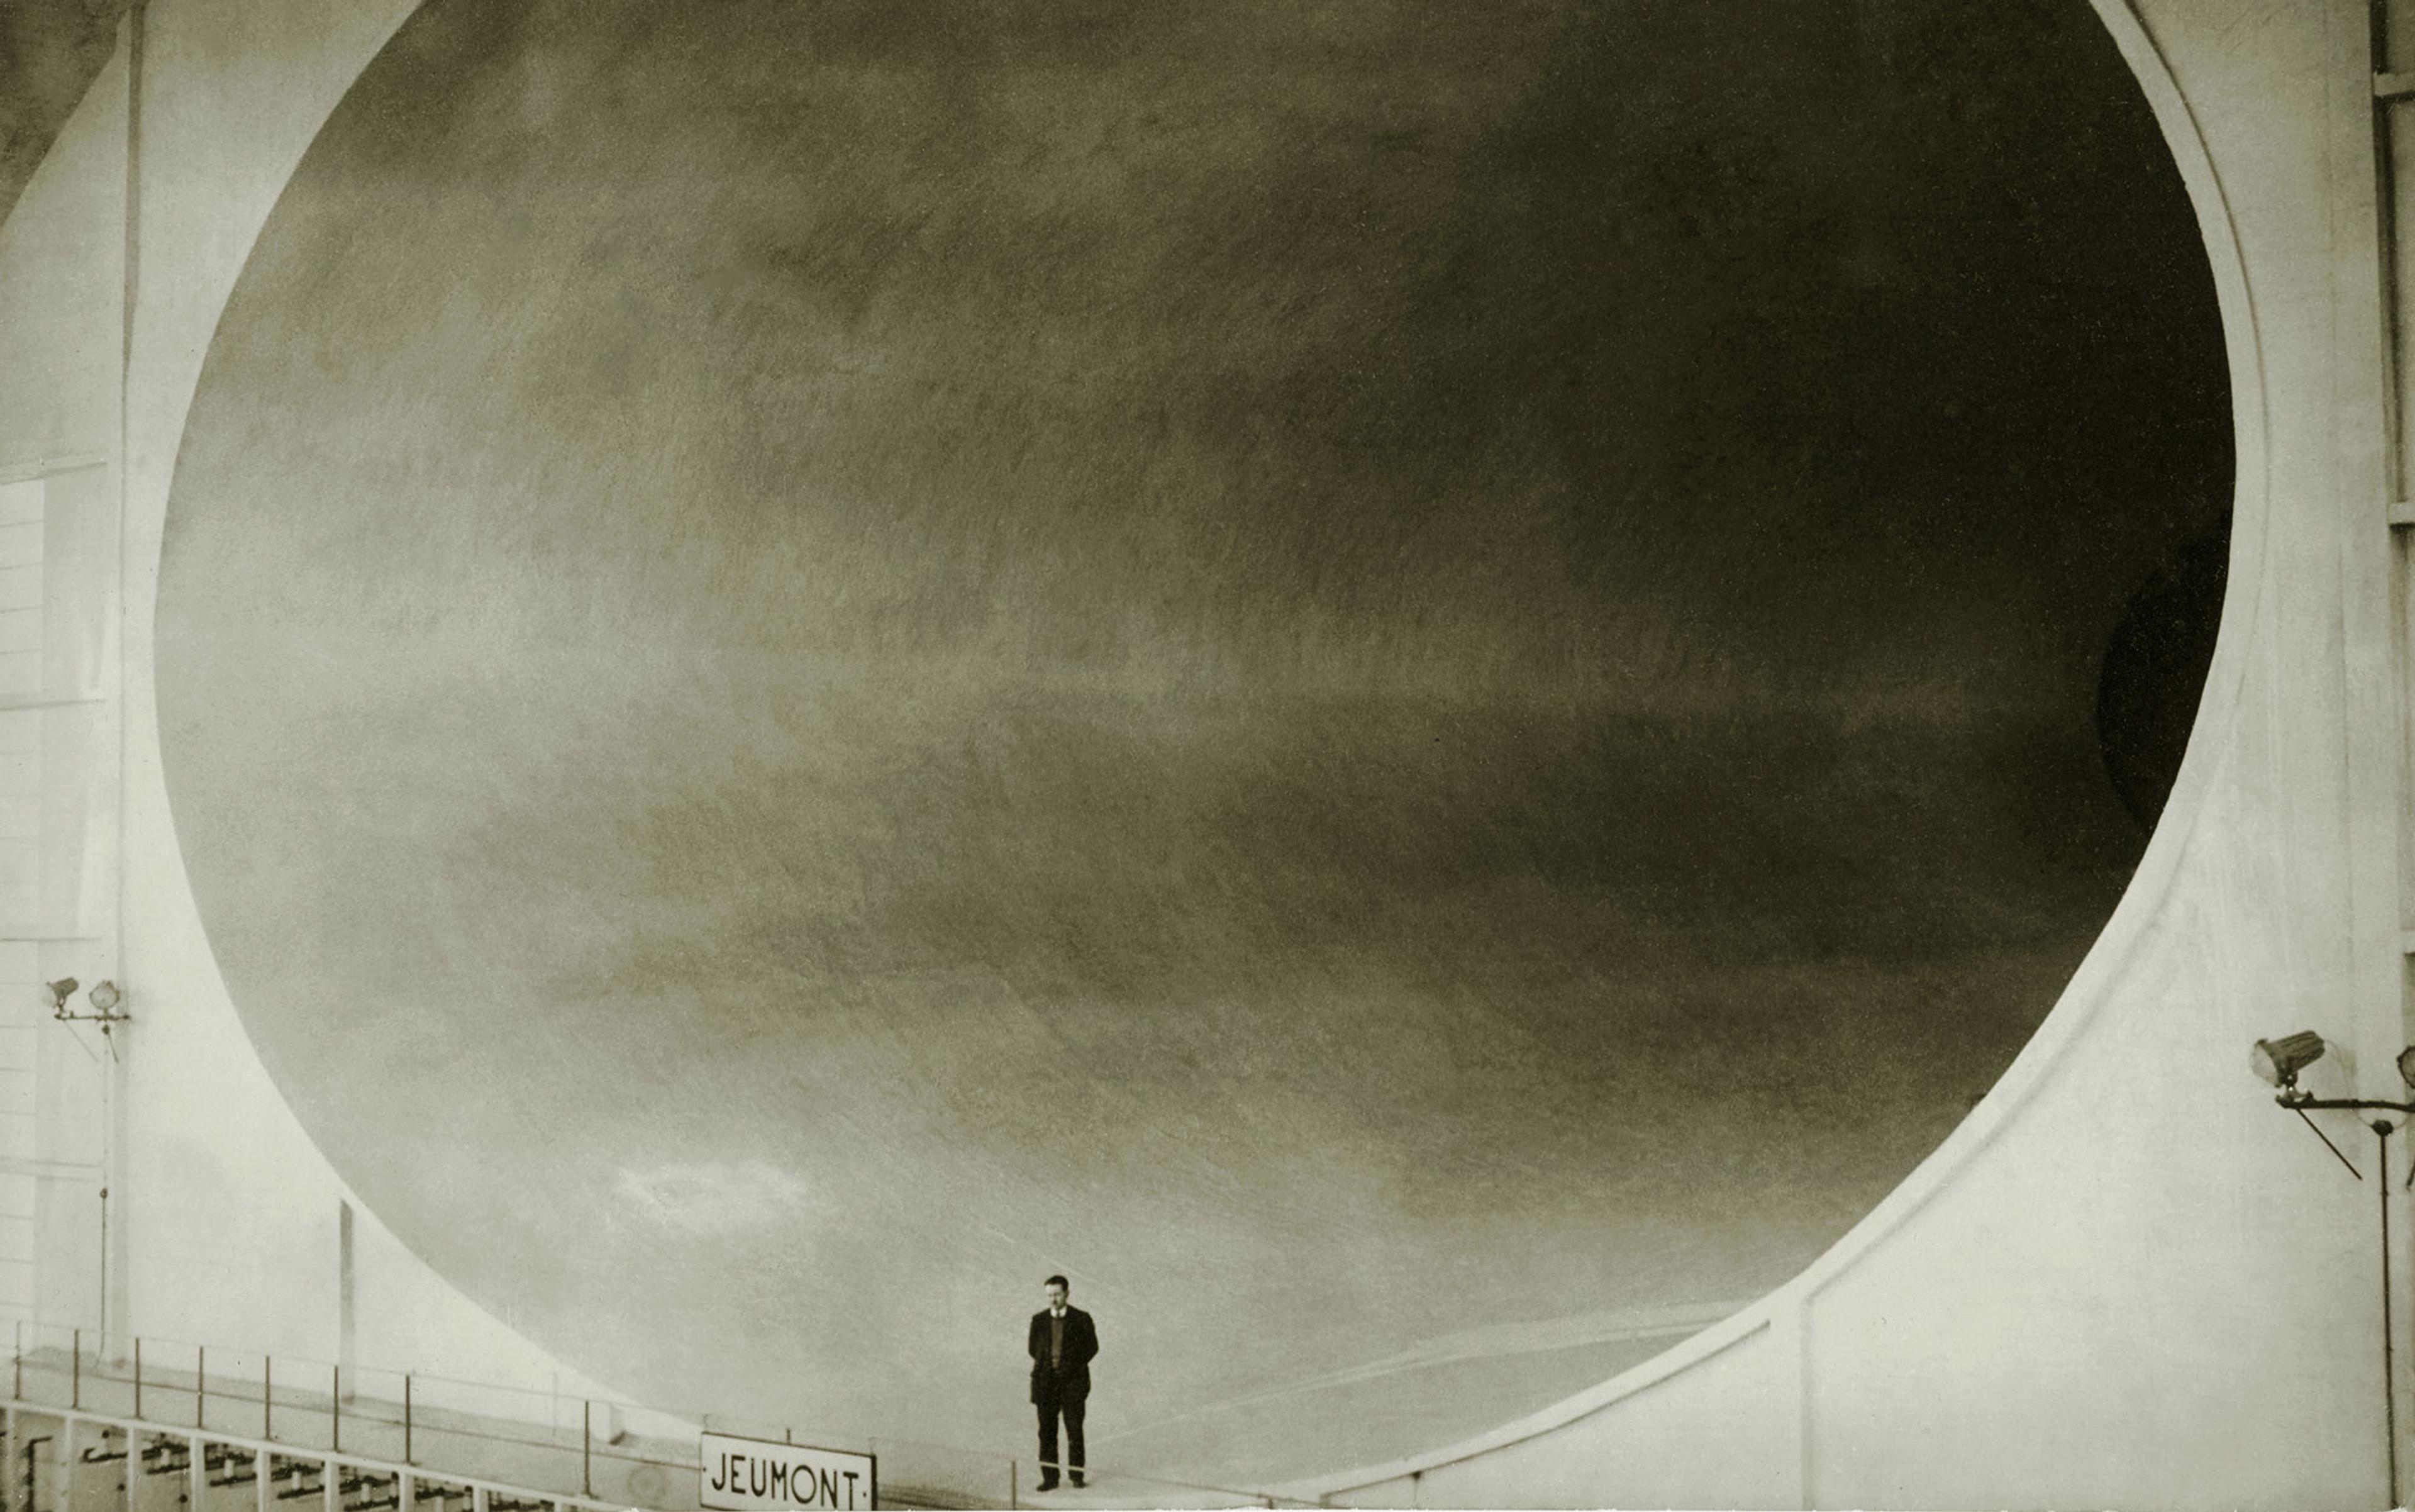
[[2279, 1062]]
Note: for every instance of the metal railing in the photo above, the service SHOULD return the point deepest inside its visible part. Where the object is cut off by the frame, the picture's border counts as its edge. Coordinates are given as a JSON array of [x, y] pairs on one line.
[[115, 1461], [561, 1446], [527, 1450]]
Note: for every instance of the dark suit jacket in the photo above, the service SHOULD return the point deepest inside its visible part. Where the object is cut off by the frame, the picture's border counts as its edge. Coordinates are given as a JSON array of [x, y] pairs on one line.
[[1071, 1381]]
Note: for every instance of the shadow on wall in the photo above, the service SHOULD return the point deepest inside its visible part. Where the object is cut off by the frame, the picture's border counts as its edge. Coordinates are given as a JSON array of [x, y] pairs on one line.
[[2154, 673]]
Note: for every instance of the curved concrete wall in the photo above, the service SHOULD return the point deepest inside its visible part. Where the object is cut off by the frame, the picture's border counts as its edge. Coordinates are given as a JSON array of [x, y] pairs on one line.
[[763, 778], [2126, 1281], [226, 1220]]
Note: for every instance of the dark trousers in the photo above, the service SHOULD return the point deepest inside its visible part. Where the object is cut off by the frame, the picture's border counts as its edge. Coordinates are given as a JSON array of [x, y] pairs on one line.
[[1050, 1405]]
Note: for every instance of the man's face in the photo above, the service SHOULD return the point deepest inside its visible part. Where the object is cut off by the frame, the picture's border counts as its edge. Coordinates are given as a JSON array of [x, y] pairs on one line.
[[1055, 1298]]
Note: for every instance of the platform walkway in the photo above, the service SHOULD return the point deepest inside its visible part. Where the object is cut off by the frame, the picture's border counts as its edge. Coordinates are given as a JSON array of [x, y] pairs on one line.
[[365, 1441]]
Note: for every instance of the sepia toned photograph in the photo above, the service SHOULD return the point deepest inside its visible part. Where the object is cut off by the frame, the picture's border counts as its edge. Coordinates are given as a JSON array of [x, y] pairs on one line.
[[768, 754]]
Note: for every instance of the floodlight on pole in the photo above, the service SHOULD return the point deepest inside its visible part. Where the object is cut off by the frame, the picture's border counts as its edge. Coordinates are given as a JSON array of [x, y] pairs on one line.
[[104, 998], [2277, 1063]]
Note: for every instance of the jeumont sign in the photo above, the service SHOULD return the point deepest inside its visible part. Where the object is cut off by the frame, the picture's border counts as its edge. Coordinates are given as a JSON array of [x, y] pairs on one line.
[[743, 1474]]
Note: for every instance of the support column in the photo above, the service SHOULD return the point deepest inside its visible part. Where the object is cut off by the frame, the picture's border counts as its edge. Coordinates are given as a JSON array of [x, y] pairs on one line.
[[2379, 674]]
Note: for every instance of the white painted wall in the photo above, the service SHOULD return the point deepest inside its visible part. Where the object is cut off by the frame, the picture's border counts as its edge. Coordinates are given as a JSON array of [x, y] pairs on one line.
[[226, 1216]]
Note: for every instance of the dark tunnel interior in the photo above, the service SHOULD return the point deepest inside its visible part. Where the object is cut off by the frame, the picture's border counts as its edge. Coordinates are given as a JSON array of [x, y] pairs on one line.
[[1359, 672]]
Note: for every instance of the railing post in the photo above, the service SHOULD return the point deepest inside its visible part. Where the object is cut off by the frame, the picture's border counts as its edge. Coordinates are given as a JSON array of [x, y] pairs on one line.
[[331, 1483], [335, 1408], [586, 1447], [138, 1375], [267, 1396], [1013, 1484], [201, 1389], [32, 1458], [17, 1382], [75, 1370], [197, 1474], [263, 1462], [406, 1418]]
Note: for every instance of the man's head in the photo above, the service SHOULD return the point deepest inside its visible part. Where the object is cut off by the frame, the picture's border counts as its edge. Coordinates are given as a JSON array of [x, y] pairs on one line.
[[1058, 1288]]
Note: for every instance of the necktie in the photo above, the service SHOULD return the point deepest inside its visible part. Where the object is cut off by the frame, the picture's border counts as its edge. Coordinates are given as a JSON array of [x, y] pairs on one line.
[[1055, 1340]]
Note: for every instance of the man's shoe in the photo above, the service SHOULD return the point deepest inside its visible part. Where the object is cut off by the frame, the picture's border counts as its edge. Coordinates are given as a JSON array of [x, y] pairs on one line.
[[1050, 1484], [1077, 1480]]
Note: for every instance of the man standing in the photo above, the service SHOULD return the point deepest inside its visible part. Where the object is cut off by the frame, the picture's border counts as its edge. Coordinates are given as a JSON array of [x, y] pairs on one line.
[[1063, 1341]]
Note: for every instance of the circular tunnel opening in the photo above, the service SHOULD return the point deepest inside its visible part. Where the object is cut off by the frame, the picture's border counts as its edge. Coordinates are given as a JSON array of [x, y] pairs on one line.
[[1422, 692]]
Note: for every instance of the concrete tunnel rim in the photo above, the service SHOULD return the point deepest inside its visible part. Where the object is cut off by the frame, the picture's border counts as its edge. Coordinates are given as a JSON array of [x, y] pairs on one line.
[[2083, 996], [2086, 995]]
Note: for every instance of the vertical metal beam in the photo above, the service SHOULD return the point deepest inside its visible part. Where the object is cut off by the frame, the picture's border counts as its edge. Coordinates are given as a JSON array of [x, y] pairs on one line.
[[2388, 1367], [114, 1101], [2384, 741], [2386, 230], [347, 1314]]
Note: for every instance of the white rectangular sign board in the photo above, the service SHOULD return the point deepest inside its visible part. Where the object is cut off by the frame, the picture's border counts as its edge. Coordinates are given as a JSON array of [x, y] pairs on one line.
[[745, 1475]]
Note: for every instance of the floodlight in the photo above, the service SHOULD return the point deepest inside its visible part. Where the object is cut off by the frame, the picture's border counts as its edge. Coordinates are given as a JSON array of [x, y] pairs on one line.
[[2279, 1061], [105, 997], [60, 992]]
